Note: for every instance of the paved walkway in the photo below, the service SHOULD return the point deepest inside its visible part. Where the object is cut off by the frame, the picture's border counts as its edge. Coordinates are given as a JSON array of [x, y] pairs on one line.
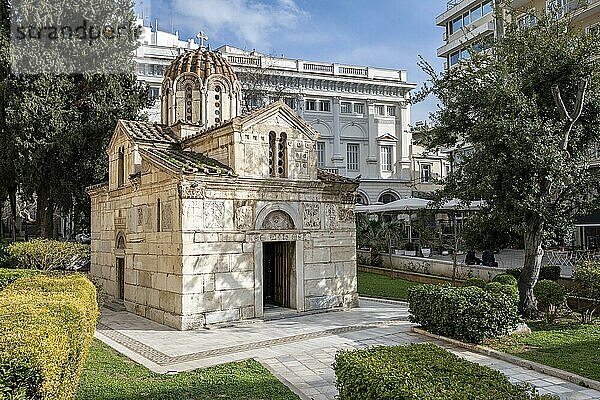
[[299, 350]]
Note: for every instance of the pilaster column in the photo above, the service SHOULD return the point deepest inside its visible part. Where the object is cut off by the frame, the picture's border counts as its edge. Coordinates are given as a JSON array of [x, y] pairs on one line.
[[372, 133], [300, 105], [337, 146]]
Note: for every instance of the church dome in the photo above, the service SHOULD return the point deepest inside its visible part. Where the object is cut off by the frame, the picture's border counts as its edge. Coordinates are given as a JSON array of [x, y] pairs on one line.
[[201, 62]]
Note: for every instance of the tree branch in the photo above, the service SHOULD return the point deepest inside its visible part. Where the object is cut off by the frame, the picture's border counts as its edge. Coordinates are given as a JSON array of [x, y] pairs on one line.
[[570, 118]]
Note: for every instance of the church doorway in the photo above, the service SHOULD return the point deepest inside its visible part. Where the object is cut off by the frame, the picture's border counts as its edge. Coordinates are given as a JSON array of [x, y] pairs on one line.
[[278, 263], [120, 279]]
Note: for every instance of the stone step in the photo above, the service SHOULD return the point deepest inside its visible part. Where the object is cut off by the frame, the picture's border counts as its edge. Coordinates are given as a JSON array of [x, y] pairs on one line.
[[115, 306]]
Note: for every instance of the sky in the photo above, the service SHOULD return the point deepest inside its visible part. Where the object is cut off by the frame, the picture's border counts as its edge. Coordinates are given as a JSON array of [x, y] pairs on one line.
[[378, 33]]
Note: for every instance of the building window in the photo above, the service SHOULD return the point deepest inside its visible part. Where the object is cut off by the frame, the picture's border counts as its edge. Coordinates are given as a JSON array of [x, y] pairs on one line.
[[353, 156], [188, 102], [487, 7], [345, 108], [361, 199], [475, 13], [391, 111], [324, 105], [320, 154], [456, 25], [593, 30], [153, 93], [387, 197], [379, 110], [425, 173], [157, 215], [290, 102], [121, 167], [386, 158], [453, 58], [359, 108], [311, 105], [277, 155]]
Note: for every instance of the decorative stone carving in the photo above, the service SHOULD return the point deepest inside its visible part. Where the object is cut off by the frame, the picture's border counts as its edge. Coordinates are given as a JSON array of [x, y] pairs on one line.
[[192, 190], [140, 216], [331, 216], [312, 216], [244, 217], [167, 216], [278, 220], [214, 213], [348, 198], [148, 219], [346, 215]]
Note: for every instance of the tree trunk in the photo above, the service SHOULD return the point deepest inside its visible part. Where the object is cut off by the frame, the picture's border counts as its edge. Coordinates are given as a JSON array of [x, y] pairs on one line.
[[12, 198], [45, 215], [531, 268]]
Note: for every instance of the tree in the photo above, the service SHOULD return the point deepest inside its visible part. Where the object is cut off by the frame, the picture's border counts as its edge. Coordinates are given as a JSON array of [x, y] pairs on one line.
[[262, 83], [530, 145], [57, 122], [377, 233]]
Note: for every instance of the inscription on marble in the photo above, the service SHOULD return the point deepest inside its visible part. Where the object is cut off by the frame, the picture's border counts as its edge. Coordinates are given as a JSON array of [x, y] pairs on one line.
[[140, 216], [346, 214]]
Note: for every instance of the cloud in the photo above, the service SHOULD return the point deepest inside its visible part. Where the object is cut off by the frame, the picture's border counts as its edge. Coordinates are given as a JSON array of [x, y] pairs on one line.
[[251, 21]]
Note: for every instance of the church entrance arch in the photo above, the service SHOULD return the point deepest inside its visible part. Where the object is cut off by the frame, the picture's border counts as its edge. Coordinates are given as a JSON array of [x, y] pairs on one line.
[[279, 259]]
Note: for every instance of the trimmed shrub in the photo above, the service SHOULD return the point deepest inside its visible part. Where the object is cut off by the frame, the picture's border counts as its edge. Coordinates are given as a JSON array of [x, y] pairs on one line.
[[420, 372], [550, 296], [46, 254], [6, 259], [549, 272], [510, 290], [505, 279], [467, 313], [47, 326], [587, 285], [8, 276], [477, 282]]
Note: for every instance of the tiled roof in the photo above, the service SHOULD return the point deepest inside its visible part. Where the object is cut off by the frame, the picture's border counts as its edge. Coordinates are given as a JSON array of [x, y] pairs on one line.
[[323, 175], [201, 62], [190, 162], [149, 132]]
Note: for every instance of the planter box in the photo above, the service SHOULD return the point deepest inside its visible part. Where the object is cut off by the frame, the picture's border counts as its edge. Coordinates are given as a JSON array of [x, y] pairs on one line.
[[410, 253], [426, 252]]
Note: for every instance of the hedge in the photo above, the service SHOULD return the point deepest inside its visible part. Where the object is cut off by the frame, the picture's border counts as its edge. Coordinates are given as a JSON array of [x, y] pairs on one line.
[[505, 279], [478, 282], [420, 372], [46, 254], [47, 325], [469, 313], [8, 276]]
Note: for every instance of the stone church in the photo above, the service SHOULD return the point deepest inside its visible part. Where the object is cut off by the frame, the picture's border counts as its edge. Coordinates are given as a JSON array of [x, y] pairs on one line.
[[213, 216]]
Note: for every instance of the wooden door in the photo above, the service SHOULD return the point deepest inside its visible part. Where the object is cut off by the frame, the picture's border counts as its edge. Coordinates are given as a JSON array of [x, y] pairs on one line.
[[278, 258], [121, 278]]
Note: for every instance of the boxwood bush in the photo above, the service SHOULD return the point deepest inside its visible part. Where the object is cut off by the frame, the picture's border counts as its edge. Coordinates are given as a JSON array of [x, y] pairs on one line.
[[477, 282], [497, 287], [469, 313], [505, 279], [46, 254], [8, 276], [420, 372], [47, 324]]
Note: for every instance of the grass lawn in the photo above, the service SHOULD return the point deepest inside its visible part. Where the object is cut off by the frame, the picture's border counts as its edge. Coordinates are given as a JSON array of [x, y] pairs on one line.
[[382, 286], [109, 375], [565, 345]]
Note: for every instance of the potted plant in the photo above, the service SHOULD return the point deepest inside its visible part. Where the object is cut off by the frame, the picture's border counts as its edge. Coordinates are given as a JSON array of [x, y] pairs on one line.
[[426, 236], [399, 252], [410, 249]]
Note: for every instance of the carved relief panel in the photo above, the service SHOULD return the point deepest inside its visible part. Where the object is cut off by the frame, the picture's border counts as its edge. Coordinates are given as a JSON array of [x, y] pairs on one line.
[[214, 215], [312, 215], [331, 216], [278, 220]]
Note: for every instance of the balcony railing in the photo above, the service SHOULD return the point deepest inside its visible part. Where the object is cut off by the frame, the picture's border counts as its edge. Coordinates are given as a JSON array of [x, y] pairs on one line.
[[318, 67], [453, 3]]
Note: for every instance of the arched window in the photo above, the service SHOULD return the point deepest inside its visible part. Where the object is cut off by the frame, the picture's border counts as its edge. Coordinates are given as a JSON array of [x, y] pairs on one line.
[[121, 167], [281, 156], [157, 215], [361, 199], [387, 197], [188, 102], [218, 104], [272, 152]]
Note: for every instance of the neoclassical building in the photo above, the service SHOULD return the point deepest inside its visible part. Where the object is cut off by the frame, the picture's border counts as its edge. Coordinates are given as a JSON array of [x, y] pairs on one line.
[[210, 216]]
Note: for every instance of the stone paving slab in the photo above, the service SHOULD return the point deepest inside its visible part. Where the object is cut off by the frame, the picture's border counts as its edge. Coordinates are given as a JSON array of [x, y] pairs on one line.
[[300, 350]]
